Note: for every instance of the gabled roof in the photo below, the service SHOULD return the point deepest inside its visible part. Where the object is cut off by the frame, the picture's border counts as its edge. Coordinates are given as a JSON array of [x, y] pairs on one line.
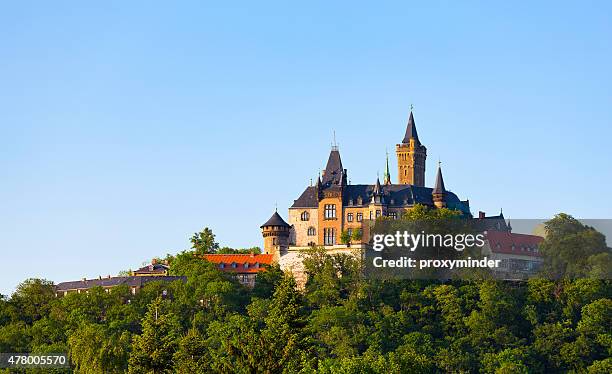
[[152, 268], [308, 199], [253, 262], [514, 243], [275, 220], [411, 131]]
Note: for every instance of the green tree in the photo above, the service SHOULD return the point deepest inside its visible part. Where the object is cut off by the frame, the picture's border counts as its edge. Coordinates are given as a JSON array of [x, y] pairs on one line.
[[572, 249], [94, 348], [154, 348], [204, 242]]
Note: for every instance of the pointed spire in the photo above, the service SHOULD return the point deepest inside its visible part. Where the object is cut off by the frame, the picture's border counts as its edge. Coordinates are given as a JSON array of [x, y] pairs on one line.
[[411, 131], [333, 169], [377, 188], [387, 176], [439, 187]]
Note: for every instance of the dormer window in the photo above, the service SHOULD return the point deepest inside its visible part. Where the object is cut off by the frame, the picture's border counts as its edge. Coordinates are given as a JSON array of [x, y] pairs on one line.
[[392, 202], [359, 200], [350, 202]]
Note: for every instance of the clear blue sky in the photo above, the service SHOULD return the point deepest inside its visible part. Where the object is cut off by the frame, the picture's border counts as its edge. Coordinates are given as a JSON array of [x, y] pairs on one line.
[[127, 126]]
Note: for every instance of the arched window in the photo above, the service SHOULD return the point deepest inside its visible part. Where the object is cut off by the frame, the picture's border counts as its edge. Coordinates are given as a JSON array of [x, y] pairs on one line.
[[312, 231], [305, 216]]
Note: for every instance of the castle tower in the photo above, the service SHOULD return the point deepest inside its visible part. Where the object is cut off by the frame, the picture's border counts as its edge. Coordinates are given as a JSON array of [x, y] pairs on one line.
[[439, 192], [276, 236], [411, 155]]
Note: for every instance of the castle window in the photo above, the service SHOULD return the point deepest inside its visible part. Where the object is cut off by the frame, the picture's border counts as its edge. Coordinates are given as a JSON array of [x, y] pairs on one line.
[[349, 232], [245, 265], [393, 215], [359, 217], [349, 217], [371, 215], [330, 211], [312, 231], [221, 265], [273, 241], [234, 265], [377, 213], [305, 216], [329, 236], [311, 244]]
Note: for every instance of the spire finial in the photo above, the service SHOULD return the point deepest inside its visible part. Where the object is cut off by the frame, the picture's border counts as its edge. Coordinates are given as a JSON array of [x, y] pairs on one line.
[[276, 207], [334, 144], [411, 107]]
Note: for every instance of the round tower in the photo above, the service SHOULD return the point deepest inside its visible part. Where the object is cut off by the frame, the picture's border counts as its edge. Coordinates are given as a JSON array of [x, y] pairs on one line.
[[276, 236], [439, 192]]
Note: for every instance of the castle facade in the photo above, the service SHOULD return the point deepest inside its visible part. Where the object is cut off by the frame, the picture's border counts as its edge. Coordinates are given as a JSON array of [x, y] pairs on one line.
[[333, 210]]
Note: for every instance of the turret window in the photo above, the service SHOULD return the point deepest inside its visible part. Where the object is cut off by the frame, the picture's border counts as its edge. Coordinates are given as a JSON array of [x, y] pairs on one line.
[[312, 231], [305, 216], [330, 211]]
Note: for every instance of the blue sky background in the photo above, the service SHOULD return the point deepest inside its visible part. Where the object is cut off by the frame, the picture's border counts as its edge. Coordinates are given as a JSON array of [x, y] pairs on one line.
[[127, 126]]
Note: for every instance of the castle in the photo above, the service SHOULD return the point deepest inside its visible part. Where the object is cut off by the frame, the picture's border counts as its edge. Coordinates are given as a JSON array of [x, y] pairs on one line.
[[334, 209]]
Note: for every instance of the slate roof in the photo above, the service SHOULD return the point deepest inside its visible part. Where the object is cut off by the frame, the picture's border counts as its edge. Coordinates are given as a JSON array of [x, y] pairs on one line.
[[275, 220], [497, 223], [152, 268], [439, 187], [401, 194], [411, 131], [333, 169], [134, 281]]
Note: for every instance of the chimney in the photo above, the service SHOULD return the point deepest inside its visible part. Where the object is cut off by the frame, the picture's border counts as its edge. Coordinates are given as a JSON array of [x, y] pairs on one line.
[[154, 261], [481, 214], [99, 277], [108, 276], [83, 279]]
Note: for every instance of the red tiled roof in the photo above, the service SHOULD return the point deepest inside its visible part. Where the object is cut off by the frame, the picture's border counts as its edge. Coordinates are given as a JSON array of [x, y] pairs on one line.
[[253, 262], [513, 243]]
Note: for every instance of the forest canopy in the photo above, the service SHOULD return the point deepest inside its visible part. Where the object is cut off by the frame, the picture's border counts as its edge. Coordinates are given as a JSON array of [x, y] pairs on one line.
[[340, 322]]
